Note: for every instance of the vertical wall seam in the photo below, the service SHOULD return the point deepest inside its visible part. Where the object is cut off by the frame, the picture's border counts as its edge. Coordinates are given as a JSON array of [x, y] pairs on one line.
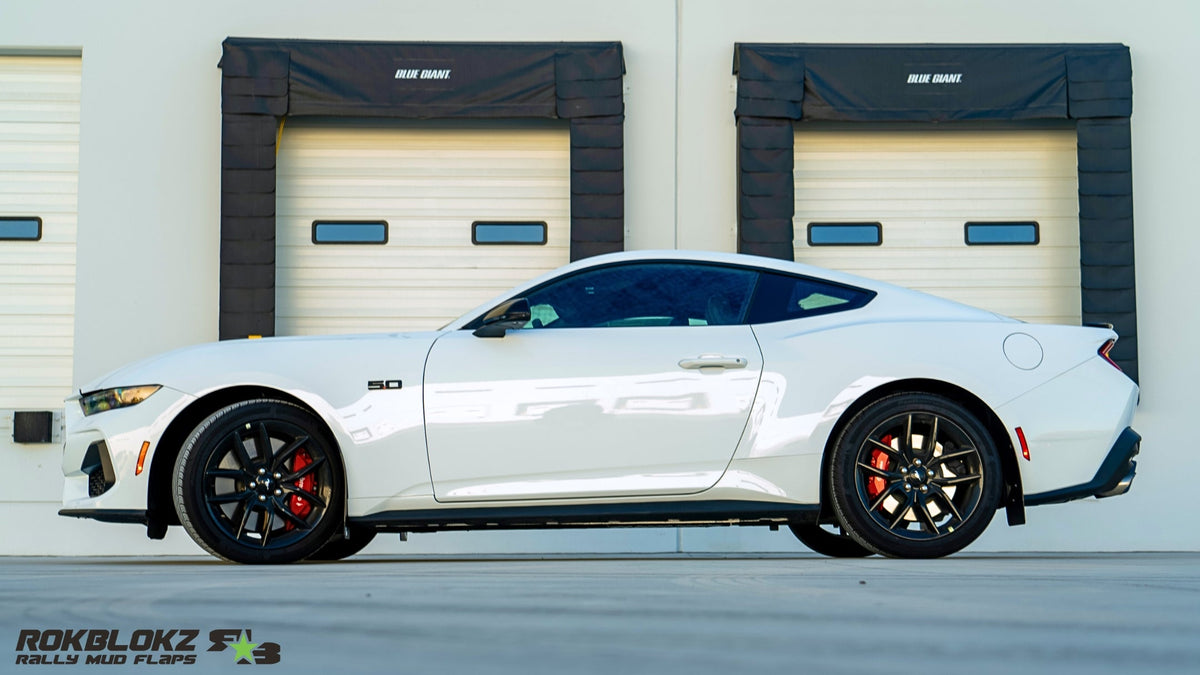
[[675, 177]]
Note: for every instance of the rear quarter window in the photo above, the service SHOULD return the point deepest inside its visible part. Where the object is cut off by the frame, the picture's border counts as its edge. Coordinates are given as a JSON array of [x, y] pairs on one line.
[[782, 297]]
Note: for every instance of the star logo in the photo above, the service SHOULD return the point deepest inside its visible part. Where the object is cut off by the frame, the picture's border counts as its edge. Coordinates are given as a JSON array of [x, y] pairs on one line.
[[243, 649]]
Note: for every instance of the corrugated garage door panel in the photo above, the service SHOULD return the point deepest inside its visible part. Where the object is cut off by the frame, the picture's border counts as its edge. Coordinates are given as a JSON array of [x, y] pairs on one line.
[[430, 181], [39, 170], [923, 186]]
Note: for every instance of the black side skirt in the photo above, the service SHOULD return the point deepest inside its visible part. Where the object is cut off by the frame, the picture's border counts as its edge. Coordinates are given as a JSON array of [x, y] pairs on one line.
[[1115, 473], [646, 514], [107, 515]]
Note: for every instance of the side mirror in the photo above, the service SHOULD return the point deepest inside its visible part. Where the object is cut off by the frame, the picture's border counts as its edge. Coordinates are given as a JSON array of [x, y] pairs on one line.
[[507, 316]]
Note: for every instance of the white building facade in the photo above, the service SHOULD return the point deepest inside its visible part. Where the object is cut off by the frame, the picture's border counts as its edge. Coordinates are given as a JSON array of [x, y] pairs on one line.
[[1005, 156]]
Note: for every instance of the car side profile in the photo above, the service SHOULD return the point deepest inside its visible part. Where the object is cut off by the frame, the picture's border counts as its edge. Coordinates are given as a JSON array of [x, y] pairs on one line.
[[653, 388]]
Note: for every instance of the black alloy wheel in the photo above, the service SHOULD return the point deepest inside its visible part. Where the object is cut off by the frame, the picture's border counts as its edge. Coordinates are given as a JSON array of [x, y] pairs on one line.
[[915, 476], [260, 482], [829, 540]]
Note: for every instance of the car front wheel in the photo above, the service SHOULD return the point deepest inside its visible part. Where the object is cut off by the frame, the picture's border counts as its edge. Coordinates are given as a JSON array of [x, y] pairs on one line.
[[260, 482], [915, 476]]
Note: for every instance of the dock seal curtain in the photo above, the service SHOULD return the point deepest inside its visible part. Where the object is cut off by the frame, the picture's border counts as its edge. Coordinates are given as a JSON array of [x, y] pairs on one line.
[[780, 85], [264, 80]]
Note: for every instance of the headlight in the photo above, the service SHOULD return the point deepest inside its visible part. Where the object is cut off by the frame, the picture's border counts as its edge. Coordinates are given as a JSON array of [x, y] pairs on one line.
[[111, 399]]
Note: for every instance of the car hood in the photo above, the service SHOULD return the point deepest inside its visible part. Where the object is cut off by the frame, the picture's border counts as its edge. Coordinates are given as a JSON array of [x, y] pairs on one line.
[[281, 362]]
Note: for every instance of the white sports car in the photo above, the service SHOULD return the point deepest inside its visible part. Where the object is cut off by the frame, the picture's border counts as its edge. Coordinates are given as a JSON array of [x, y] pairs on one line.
[[659, 388]]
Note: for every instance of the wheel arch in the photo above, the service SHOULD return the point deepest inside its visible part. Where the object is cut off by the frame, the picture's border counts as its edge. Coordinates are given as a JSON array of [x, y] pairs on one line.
[[160, 508], [1012, 497]]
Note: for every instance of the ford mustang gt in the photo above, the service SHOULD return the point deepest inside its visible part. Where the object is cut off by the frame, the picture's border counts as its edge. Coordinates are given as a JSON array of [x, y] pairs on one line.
[[660, 388]]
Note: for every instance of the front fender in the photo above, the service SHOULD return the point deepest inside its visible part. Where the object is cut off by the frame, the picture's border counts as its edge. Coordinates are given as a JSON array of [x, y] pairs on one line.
[[379, 430]]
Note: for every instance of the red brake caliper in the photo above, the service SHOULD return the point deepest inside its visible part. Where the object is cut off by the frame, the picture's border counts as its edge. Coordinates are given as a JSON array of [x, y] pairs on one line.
[[297, 504], [879, 460]]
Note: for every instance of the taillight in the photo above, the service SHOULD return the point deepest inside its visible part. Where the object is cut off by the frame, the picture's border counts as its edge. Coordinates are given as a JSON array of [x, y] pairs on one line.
[[1105, 349]]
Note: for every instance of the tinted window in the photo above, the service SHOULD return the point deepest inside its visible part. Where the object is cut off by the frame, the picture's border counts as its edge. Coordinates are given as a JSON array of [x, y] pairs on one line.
[[349, 232], [20, 229], [781, 297], [977, 234], [845, 234], [644, 294], [508, 233]]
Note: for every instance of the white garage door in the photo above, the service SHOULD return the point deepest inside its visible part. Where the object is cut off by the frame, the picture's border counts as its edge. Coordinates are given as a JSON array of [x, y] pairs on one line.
[[39, 168], [430, 182], [923, 185]]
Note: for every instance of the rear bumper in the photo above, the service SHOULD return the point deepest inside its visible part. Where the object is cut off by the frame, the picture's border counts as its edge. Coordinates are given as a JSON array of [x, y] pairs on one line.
[[1112, 478]]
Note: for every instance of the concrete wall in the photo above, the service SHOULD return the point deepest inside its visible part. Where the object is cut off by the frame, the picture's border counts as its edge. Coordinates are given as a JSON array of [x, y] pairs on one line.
[[149, 191]]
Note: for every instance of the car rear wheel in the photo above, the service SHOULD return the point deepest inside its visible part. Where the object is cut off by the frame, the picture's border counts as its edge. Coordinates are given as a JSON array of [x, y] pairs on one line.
[[260, 482], [828, 540], [914, 476]]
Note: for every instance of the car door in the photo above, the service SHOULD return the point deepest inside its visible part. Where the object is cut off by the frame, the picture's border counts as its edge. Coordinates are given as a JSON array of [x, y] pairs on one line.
[[629, 379]]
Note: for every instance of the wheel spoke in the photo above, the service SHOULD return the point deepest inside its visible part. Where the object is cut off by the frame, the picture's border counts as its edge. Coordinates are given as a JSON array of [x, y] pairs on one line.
[[952, 455], [262, 441], [924, 514], [886, 448], [247, 509], [301, 492], [309, 468], [285, 453], [872, 469], [901, 512], [931, 442], [908, 434], [957, 480], [267, 519], [292, 518], [226, 473], [937, 490], [243, 455]]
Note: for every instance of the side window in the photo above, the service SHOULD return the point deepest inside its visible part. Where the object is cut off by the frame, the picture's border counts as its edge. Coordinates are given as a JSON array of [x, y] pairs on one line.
[[781, 297], [644, 294]]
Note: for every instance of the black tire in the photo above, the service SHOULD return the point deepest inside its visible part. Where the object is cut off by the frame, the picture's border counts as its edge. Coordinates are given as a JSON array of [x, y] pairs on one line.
[[341, 548], [260, 482], [827, 542], [915, 476]]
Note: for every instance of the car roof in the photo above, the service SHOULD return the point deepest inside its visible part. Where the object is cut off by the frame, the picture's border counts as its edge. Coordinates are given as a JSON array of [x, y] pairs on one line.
[[740, 259]]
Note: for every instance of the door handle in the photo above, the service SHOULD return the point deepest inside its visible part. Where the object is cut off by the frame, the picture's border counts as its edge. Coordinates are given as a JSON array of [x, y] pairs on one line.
[[713, 361]]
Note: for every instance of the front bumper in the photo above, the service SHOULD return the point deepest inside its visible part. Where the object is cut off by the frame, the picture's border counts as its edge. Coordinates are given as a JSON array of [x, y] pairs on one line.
[[118, 436], [1113, 478]]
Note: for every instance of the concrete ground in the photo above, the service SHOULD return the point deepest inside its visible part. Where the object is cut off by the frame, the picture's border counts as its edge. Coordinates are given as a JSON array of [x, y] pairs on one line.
[[1027, 613]]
